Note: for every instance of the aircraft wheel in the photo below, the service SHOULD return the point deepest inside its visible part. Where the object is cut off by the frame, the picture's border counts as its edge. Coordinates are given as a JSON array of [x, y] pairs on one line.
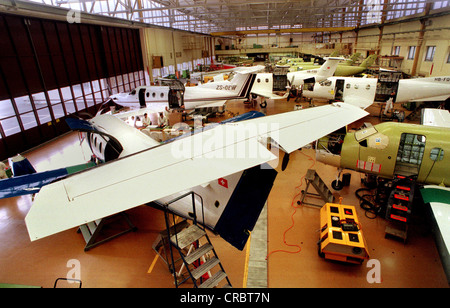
[[337, 185], [263, 104]]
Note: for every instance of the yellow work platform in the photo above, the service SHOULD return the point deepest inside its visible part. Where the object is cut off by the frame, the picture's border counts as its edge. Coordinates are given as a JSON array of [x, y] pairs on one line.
[[341, 237]]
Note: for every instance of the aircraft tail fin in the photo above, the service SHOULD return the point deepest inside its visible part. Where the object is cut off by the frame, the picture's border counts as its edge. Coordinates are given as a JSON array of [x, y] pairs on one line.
[[369, 61], [328, 68], [353, 58]]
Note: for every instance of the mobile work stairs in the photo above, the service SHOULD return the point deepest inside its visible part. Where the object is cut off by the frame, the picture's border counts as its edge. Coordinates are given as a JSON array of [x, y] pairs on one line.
[[200, 262], [399, 206]]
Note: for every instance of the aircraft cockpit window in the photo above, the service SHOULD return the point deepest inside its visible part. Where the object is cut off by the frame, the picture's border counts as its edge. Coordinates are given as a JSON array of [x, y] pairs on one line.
[[437, 154], [325, 83], [364, 133]]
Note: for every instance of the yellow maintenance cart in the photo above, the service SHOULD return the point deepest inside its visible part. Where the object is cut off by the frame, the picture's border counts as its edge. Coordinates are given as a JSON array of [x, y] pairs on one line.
[[341, 237]]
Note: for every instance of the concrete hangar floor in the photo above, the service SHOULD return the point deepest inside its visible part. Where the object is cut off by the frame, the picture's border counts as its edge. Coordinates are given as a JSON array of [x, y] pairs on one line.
[[129, 260]]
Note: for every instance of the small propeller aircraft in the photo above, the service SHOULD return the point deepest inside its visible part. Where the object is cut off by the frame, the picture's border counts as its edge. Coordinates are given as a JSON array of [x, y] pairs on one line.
[[175, 95], [228, 160]]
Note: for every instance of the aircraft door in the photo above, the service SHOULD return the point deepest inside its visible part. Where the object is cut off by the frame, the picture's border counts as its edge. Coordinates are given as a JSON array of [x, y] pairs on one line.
[[410, 154], [142, 98], [176, 99], [339, 89]]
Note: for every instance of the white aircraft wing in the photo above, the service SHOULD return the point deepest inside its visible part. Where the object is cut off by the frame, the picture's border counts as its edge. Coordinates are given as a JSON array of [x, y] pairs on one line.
[[435, 117], [176, 166]]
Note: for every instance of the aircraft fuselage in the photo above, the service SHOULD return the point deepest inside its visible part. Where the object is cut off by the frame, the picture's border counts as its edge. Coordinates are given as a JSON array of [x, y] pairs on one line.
[[392, 148]]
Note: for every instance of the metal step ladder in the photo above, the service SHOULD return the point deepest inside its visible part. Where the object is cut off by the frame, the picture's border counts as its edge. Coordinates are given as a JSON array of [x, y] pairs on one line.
[[161, 244], [323, 192], [196, 251], [92, 230]]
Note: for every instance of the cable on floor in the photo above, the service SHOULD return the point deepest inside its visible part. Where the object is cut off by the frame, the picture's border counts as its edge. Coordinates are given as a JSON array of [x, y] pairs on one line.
[[292, 216]]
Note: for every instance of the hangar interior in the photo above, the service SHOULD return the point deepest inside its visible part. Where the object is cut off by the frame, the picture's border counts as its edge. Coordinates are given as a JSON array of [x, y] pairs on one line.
[[65, 59]]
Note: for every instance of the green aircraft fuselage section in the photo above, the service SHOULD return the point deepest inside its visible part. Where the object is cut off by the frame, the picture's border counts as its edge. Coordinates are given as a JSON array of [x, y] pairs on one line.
[[343, 69], [399, 148]]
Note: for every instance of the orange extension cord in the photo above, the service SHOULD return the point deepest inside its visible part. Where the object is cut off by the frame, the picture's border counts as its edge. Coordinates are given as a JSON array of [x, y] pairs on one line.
[[292, 216]]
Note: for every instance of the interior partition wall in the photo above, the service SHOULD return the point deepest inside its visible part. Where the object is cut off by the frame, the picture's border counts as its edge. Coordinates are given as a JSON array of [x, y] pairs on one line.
[[50, 70]]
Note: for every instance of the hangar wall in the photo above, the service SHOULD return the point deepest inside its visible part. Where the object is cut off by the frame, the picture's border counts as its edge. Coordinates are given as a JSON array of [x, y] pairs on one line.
[[435, 42], [396, 39], [180, 50], [52, 69]]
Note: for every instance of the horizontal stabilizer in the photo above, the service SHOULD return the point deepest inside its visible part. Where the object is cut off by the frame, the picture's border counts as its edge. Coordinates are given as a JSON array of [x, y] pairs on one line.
[[32, 183]]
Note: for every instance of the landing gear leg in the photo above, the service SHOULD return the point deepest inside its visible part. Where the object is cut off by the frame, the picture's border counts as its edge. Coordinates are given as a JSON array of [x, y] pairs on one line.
[[337, 184]]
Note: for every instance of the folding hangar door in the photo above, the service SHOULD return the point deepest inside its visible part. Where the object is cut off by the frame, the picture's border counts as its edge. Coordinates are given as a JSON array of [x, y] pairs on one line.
[[50, 70]]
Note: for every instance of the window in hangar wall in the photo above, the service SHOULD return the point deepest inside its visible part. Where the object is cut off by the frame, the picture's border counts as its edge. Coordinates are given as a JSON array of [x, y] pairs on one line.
[[50, 70]]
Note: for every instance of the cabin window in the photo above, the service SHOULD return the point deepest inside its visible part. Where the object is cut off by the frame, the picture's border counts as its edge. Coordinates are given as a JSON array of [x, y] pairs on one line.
[[267, 80], [356, 86], [368, 87], [148, 94], [258, 80], [153, 94], [437, 154], [348, 86], [162, 95]]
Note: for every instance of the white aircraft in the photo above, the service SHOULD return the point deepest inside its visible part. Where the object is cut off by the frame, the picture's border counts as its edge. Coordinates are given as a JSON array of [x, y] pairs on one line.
[[227, 162], [316, 75], [361, 91], [175, 95]]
